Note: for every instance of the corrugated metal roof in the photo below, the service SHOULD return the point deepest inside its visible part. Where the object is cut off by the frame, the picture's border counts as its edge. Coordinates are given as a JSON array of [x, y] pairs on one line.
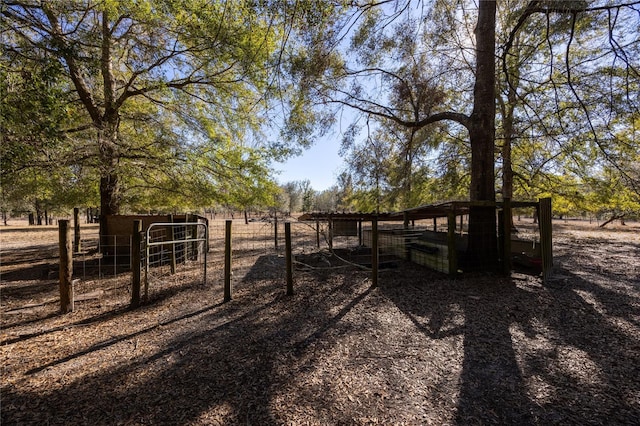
[[429, 211]]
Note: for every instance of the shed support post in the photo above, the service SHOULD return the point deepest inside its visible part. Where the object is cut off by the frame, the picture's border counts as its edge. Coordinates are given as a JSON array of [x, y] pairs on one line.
[[330, 233], [451, 243], [374, 253], [506, 244], [546, 236]]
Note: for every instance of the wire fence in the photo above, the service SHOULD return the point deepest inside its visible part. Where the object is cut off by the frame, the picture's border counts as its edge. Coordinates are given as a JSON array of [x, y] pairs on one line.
[[177, 255], [97, 259]]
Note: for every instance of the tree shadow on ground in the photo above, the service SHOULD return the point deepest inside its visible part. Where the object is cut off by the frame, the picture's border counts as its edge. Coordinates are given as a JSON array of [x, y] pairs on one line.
[[491, 388], [221, 364], [530, 354], [534, 354]]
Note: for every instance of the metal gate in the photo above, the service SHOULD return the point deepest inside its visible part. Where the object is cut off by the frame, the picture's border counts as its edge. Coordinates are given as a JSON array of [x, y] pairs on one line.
[[177, 250]]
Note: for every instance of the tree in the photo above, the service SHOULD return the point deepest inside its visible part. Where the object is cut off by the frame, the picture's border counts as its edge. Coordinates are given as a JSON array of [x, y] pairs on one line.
[[327, 200], [308, 195], [479, 122], [580, 82], [293, 197], [475, 110], [154, 81], [36, 170]]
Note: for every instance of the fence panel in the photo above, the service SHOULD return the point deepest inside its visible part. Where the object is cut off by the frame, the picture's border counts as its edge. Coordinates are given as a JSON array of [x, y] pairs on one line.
[[98, 261], [253, 249]]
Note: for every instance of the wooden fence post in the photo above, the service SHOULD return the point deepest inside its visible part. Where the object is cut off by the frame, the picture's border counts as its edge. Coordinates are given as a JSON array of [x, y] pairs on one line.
[[546, 236], [330, 230], [172, 235], [136, 240], [189, 248], [227, 261], [104, 234], [506, 231], [66, 267], [275, 230], [288, 257], [374, 252], [318, 233], [76, 230], [452, 254]]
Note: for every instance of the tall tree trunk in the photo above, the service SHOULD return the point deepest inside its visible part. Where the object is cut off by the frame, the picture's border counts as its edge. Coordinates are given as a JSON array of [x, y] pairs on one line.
[[507, 168], [508, 110], [109, 182], [109, 178], [38, 212], [483, 242]]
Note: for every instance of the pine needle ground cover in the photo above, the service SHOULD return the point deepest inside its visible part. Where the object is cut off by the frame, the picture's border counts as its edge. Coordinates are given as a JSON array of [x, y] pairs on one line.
[[419, 349]]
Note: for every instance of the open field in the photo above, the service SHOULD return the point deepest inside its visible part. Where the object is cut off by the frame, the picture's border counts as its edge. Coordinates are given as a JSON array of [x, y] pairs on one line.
[[419, 349]]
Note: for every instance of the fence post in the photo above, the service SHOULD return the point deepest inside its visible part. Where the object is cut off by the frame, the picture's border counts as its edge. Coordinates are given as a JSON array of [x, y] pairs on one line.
[[506, 244], [546, 236], [275, 229], [374, 253], [135, 263], [318, 233], [172, 235], [104, 234], [66, 267], [288, 257], [452, 255], [188, 247], [76, 230], [227, 261], [206, 249], [330, 230]]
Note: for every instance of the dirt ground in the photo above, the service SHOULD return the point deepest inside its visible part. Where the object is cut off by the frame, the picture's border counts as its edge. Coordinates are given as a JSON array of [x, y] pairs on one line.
[[420, 349]]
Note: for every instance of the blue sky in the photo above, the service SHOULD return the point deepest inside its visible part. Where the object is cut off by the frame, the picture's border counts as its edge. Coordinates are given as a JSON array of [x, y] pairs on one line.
[[320, 164]]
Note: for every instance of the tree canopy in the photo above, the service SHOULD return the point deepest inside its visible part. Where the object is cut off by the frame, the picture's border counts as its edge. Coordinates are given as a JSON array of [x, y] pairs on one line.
[[162, 100], [174, 104]]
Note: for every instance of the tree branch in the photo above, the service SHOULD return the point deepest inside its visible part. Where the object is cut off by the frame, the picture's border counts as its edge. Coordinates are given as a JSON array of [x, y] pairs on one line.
[[76, 76]]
